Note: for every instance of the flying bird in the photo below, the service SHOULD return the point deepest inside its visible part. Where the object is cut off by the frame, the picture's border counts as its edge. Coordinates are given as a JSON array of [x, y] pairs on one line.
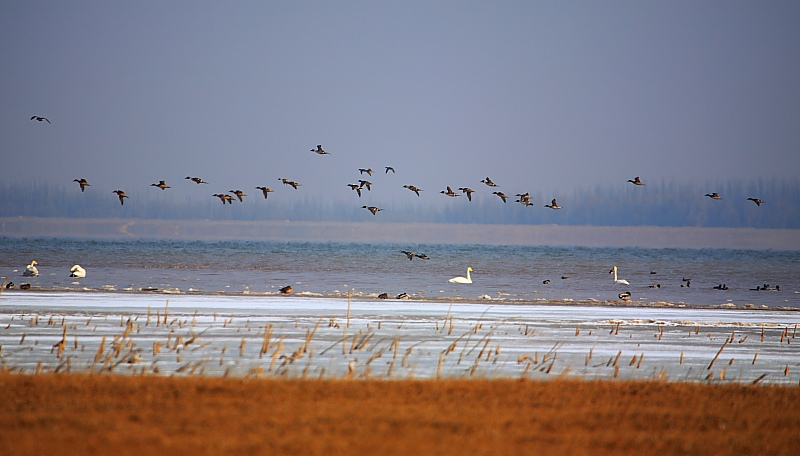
[[489, 182], [408, 254], [372, 209], [467, 191], [82, 183], [265, 190], [41, 119], [367, 184], [449, 192], [319, 150], [553, 205], [224, 198], [389, 168], [121, 196], [161, 184], [714, 195], [289, 182], [636, 181], [365, 170], [355, 187], [756, 200], [239, 194], [196, 180], [501, 195], [413, 189]]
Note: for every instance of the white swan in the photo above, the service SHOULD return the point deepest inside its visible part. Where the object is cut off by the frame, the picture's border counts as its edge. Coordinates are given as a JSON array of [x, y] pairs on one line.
[[31, 270], [77, 271], [618, 281], [466, 279]]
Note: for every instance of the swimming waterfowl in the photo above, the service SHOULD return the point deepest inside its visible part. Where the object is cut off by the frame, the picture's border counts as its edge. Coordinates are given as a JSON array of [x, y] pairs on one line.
[[383, 296], [367, 184], [161, 184], [756, 200], [121, 196], [287, 289], [714, 195], [636, 181], [372, 209], [83, 183], [265, 190], [355, 187], [546, 282], [403, 296], [616, 280], [319, 150], [413, 189], [466, 279], [77, 271], [30, 270], [467, 191], [501, 195], [196, 180], [239, 194], [721, 286], [553, 205], [389, 168], [449, 192], [489, 182], [625, 296], [41, 119], [365, 170]]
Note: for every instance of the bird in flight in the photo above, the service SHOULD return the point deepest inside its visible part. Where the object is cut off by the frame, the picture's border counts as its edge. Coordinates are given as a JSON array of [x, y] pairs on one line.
[[239, 194], [289, 182], [355, 187], [413, 189], [365, 170], [265, 191], [319, 150], [449, 192], [82, 182], [372, 209], [489, 182], [389, 168], [121, 196], [41, 119], [467, 191], [501, 195], [636, 181], [161, 184], [224, 198], [756, 200], [196, 180], [553, 205], [714, 195]]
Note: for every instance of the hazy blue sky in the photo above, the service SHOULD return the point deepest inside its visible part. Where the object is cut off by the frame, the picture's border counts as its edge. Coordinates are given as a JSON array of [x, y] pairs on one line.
[[541, 96]]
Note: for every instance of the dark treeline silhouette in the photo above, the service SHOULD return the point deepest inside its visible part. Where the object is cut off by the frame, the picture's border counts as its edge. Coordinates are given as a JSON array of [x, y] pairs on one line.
[[656, 204]]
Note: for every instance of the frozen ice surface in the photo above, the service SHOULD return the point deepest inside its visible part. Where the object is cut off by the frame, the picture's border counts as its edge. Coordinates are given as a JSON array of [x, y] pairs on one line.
[[309, 337]]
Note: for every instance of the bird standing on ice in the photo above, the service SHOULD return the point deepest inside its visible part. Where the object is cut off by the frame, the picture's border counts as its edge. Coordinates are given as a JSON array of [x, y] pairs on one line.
[[466, 279], [616, 280]]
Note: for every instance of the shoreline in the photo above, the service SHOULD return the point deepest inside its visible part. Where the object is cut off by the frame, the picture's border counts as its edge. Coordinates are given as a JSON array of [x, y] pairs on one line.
[[416, 233]]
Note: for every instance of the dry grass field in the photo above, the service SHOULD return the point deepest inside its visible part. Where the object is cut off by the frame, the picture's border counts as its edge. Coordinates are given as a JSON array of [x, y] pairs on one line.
[[121, 415]]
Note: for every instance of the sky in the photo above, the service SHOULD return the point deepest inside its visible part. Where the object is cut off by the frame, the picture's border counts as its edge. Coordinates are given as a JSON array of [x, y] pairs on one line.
[[540, 96]]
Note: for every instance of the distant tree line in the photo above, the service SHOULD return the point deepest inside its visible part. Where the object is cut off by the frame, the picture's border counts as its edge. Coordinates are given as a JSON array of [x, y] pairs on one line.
[[657, 204]]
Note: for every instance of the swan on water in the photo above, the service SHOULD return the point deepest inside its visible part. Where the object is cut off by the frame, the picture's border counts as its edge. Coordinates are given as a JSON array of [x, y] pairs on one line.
[[466, 279], [77, 271], [616, 280], [31, 270]]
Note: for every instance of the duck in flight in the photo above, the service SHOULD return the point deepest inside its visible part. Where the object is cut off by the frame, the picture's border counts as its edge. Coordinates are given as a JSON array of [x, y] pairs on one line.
[[196, 180], [82, 182], [289, 182], [224, 198], [161, 184], [372, 209], [756, 200], [239, 194], [121, 196], [467, 191], [411, 255], [489, 182], [365, 170], [265, 190], [636, 181], [553, 205], [714, 195], [449, 192], [319, 150], [413, 189], [355, 187], [501, 195], [41, 119], [367, 184], [389, 168]]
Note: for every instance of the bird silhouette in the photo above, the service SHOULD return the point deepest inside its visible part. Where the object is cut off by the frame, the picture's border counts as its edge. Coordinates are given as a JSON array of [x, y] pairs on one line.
[[82, 182], [449, 192], [714, 195], [501, 195], [41, 119], [161, 184], [372, 209], [121, 196], [389, 168], [636, 181], [553, 205], [239, 194], [265, 190], [196, 180], [413, 189], [756, 200], [319, 150]]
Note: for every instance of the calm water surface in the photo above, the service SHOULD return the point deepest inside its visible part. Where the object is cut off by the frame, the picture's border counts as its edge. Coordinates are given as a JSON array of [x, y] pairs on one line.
[[514, 274]]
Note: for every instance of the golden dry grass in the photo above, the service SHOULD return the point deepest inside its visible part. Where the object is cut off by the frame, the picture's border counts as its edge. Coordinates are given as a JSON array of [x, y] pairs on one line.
[[66, 414]]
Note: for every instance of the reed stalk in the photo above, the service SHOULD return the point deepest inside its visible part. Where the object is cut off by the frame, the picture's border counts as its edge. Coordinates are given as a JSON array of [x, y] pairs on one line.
[[718, 353]]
